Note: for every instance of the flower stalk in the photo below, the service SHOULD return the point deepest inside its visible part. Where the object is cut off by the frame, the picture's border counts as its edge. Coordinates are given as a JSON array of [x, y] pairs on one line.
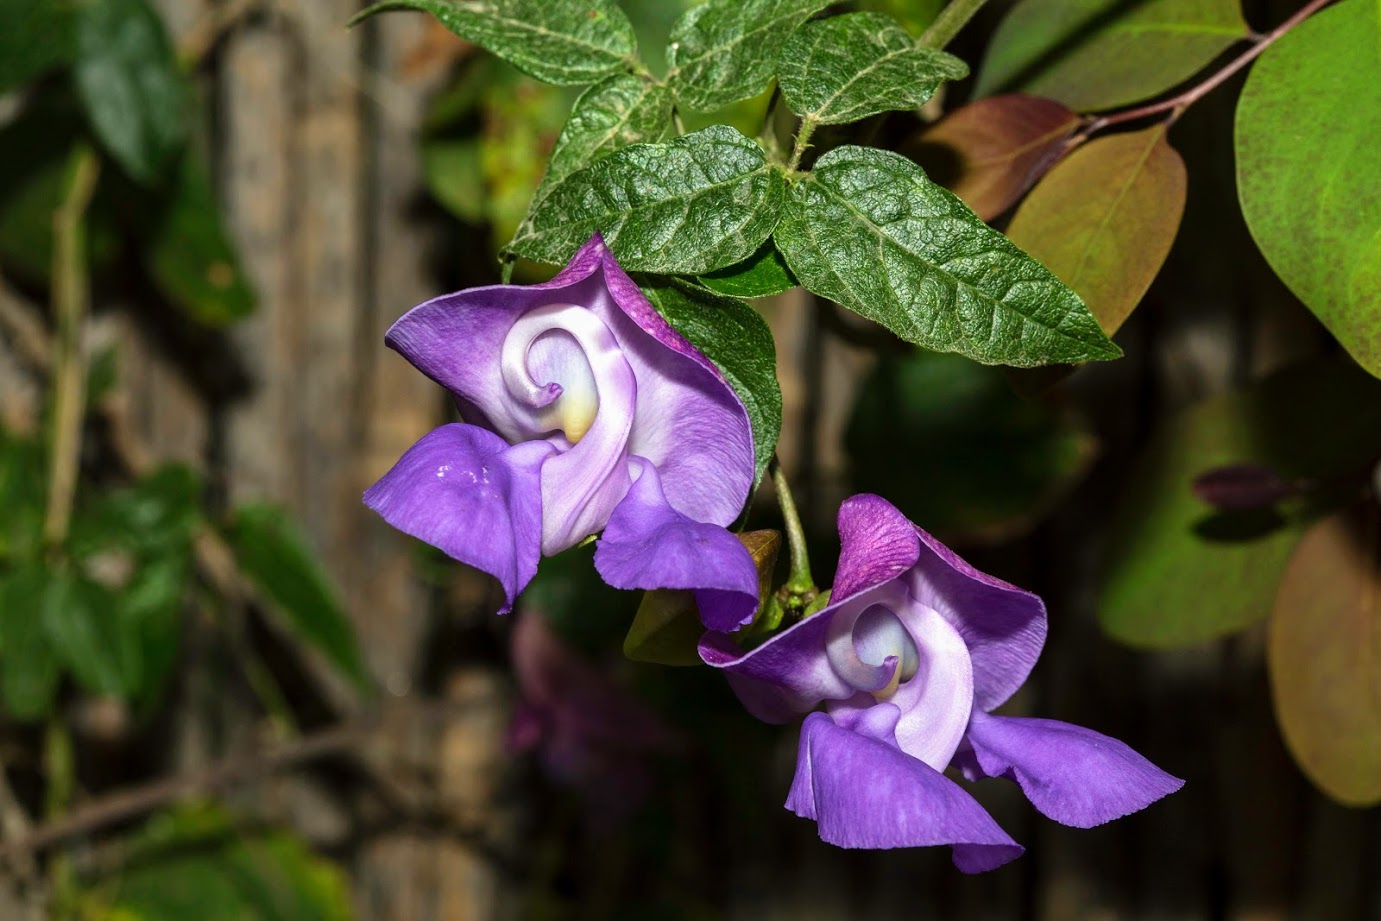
[[952, 18], [800, 589]]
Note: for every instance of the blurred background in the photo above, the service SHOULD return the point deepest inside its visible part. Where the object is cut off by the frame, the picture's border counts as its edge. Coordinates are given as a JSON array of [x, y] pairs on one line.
[[227, 690]]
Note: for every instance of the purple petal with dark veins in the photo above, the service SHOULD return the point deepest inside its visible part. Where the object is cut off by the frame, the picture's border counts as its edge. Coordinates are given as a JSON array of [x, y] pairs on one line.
[[466, 491], [1071, 774], [687, 419], [648, 544], [791, 673], [1003, 626], [863, 792]]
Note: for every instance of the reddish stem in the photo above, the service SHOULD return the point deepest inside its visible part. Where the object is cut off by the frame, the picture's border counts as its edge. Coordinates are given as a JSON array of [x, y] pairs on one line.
[[1178, 103]]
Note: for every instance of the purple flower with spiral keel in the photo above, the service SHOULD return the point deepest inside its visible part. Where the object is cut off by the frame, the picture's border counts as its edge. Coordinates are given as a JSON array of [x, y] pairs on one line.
[[915, 650], [584, 412]]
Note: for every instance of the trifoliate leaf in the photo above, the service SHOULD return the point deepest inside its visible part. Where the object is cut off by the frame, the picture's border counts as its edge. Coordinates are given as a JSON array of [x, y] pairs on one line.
[[736, 338], [868, 230], [848, 67], [693, 204], [1104, 219], [557, 41], [1101, 54], [1306, 173], [725, 50]]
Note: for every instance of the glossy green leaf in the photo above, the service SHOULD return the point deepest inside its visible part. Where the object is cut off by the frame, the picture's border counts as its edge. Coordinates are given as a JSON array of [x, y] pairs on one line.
[[848, 67], [1180, 572], [35, 36], [761, 274], [725, 50], [868, 230], [614, 113], [28, 667], [693, 204], [737, 339], [275, 556], [1308, 153], [1104, 219], [194, 863], [88, 636], [1100, 54], [1324, 655], [127, 76], [947, 441], [189, 255], [566, 42]]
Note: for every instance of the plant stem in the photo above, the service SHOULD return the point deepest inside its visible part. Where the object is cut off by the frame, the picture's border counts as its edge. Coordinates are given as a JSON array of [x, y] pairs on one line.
[[952, 18], [799, 582], [1178, 103], [802, 143], [71, 297]]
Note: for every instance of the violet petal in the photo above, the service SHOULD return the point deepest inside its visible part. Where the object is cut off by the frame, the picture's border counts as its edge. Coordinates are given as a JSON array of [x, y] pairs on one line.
[[648, 544], [469, 493], [865, 793], [1073, 775]]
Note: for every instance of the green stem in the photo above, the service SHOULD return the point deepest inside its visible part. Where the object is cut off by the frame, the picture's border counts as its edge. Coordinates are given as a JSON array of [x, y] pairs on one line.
[[71, 300], [951, 19], [802, 142], [799, 582]]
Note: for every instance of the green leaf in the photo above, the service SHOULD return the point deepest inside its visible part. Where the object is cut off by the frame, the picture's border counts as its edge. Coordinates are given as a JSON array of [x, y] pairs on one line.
[[1322, 654], [158, 514], [614, 113], [88, 636], [455, 176], [693, 204], [914, 15], [848, 67], [990, 152], [1003, 462], [736, 338], [725, 50], [28, 667], [558, 41], [274, 555], [1104, 219], [1306, 173], [867, 229], [1181, 573], [189, 255], [1101, 54], [194, 863], [128, 79], [761, 274], [35, 36], [150, 609], [23, 495]]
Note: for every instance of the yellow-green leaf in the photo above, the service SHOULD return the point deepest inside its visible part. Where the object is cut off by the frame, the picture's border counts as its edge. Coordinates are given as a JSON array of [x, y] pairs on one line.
[[1308, 155], [1324, 655], [1104, 218]]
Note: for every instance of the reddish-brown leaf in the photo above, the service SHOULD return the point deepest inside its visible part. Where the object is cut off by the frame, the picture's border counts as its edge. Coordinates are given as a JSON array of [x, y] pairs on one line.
[[991, 151], [1104, 219], [1324, 656]]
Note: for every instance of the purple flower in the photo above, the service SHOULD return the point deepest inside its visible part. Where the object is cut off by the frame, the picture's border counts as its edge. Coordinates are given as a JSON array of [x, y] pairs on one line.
[[910, 658], [584, 412]]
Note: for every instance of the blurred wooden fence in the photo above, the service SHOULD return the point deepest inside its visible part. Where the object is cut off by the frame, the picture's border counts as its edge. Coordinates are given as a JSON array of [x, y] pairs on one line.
[[312, 131]]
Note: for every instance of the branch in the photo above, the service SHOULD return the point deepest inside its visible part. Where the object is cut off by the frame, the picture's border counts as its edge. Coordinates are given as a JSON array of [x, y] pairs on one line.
[[1178, 103], [71, 302], [130, 803]]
